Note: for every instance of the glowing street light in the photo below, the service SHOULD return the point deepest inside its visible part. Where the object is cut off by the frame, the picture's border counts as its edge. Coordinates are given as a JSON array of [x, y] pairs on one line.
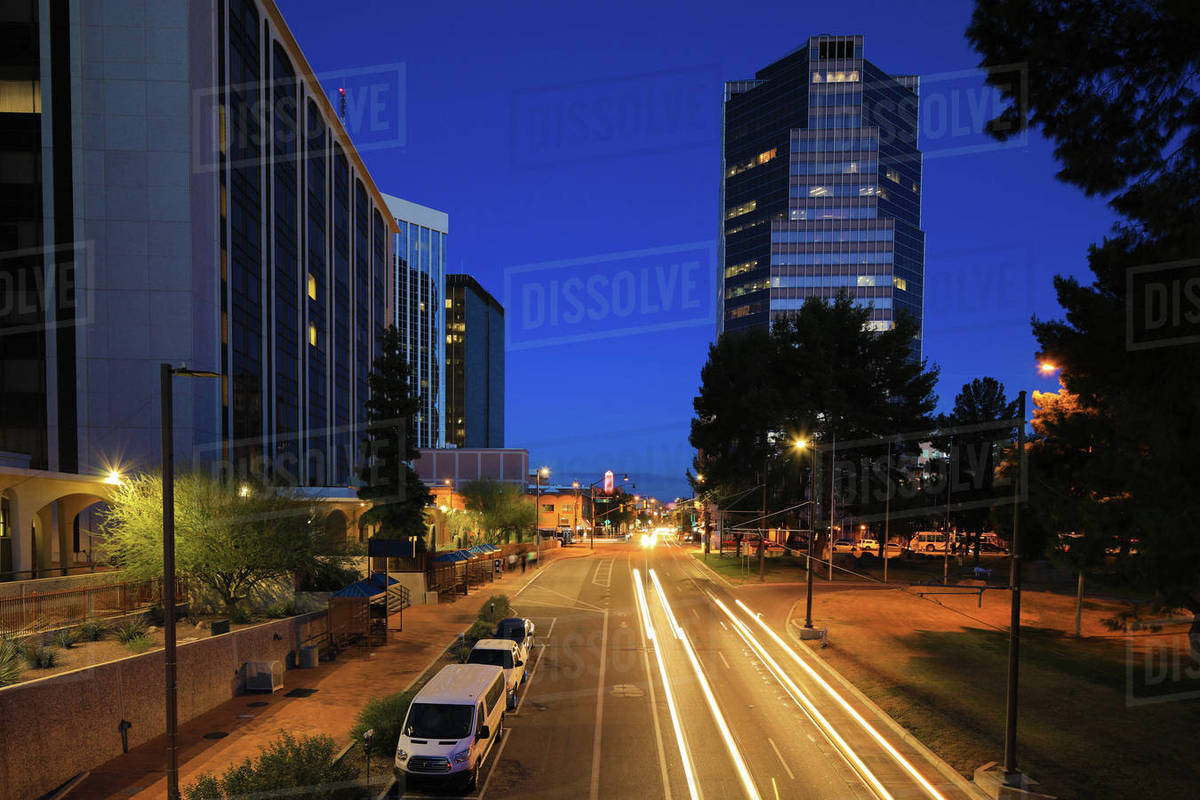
[[1048, 368], [113, 478]]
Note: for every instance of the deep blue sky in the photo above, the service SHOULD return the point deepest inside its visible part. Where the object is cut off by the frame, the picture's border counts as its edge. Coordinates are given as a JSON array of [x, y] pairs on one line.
[[485, 86]]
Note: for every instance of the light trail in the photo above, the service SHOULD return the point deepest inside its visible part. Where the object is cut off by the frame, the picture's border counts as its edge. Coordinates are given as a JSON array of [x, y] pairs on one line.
[[726, 735], [644, 608], [876, 735], [802, 699]]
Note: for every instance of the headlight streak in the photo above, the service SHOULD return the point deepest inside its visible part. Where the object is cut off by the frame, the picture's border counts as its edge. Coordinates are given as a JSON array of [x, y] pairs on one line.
[[801, 699], [892, 751], [644, 609], [730, 745]]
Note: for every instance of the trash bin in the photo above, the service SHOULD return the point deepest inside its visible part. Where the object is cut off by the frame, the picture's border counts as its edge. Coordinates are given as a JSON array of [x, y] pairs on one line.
[[220, 626], [308, 657]]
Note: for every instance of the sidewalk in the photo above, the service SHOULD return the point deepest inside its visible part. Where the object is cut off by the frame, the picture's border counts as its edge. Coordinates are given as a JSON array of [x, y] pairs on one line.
[[331, 697]]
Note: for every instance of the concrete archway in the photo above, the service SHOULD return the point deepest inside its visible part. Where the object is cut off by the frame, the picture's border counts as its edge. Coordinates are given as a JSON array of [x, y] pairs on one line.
[[337, 525], [41, 507]]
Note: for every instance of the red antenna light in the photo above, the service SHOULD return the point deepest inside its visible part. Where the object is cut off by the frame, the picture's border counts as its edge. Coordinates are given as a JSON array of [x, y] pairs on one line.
[[342, 102]]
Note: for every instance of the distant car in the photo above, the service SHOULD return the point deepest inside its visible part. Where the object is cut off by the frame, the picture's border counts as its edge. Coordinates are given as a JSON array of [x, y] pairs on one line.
[[844, 546], [519, 630], [894, 549], [868, 544], [503, 653], [994, 549]]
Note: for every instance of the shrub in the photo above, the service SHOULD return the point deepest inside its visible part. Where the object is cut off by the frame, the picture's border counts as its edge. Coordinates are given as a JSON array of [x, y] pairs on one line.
[[92, 631], [41, 657], [276, 611], [240, 616], [385, 715], [495, 608], [12, 653], [139, 644], [478, 630], [156, 615], [66, 638], [285, 764], [131, 629]]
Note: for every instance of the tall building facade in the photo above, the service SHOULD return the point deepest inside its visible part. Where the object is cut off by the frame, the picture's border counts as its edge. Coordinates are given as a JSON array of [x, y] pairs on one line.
[[419, 268], [821, 188], [182, 191], [474, 365]]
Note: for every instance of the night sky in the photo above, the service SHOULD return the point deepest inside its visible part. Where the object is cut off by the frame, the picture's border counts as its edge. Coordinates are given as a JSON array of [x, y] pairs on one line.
[[576, 147]]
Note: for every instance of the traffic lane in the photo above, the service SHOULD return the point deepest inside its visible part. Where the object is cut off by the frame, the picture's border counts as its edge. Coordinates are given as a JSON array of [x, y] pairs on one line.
[[709, 749], [902, 770], [555, 718], [785, 751]]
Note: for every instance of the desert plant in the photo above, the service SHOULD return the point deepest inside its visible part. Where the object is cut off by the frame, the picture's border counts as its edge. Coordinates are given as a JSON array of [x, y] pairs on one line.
[[66, 638], [276, 611], [495, 608], [283, 766], [92, 631], [12, 654], [385, 715], [240, 616], [139, 644], [478, 630], [41, 656], [155, 614], [131, 629]]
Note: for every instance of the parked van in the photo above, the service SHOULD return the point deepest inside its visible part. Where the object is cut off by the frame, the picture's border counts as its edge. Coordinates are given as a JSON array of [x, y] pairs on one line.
[[928, 542], [503, 653], [452, 723]]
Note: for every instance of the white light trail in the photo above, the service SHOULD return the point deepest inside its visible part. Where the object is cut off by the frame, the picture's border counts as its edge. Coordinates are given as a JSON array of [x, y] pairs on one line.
[[644, 608], [878, 737], [726, 735]]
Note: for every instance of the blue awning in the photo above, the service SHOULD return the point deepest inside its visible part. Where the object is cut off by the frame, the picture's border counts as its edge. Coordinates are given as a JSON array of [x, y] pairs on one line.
[[367, 587]]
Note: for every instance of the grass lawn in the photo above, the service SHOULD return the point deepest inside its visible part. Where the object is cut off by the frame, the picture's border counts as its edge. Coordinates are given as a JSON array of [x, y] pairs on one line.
[[939, 668], [779, 569]]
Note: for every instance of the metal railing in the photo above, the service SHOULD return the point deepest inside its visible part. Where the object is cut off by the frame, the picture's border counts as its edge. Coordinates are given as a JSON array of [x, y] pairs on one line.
[[40, 611], [56, 571]]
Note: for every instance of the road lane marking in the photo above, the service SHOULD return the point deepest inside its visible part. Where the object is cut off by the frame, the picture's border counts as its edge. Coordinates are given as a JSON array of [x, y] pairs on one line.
[[892, 751], [537, 662], [495, 763], [605, 567], [574, 601], [786, 768], [723, 661], [553, 621], [736, 754], [594, 794], [776, 788], [830, 732], [644, 608]]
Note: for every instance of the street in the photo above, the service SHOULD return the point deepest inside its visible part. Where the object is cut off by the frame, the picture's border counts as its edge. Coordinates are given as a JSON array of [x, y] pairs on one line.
[[651, 680]]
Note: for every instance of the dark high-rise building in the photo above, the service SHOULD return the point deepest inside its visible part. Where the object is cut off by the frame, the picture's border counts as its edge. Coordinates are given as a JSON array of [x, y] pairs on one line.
[[474, 365], [820, 188]]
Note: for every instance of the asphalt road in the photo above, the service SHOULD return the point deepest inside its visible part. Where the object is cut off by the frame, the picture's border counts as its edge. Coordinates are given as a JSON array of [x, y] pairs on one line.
[[674, 690]]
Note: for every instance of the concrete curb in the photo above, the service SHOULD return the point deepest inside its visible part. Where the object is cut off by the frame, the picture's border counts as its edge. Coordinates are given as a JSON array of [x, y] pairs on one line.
[[713, 572], [947, 771]]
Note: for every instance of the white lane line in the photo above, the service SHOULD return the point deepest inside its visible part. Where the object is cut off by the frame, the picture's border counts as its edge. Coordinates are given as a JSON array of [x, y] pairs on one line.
[[722, 624], [786, 768], [553, 620], [697, 613], [739, 762], [644, 608], [495, 763], [723, 661], [594, 794], [541, 653]]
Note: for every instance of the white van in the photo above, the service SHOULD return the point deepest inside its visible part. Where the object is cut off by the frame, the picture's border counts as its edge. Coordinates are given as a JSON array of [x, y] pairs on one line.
[[503, 653], [452, 723], [928, 542]]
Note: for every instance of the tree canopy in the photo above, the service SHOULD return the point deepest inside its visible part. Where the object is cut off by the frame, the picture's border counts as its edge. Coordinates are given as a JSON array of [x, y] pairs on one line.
[[501, 509]]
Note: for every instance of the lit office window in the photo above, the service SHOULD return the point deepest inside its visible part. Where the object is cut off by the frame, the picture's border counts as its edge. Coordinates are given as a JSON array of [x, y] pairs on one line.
[[312, 286], [312, 335]]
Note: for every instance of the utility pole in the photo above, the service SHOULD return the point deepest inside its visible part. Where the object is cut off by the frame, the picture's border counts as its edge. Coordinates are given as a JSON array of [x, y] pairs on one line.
[[832, 480], [812, 534], [1014, 625], [949, 483], [762, 536], [887, 510], [166, 372]]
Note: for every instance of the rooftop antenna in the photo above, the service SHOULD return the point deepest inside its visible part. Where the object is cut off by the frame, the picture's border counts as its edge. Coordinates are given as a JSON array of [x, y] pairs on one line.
[[342, 103]]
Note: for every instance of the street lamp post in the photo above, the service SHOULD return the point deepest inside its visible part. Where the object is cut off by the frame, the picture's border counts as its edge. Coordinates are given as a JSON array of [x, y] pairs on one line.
[[575, 527], [537, 513], [166, 372], [812, 525], [1014, 624]]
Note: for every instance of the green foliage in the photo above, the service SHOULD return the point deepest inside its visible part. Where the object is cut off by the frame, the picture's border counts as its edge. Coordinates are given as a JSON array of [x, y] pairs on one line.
[[494, 609], [66, 638], [12, 656], [479, 629], [155, 614], [240, 615], [502, 510], [397, 495], [228, 541], [139, 644], [326, 573], [276, 611], [384, 715], [131, 629], [92, 631], [41, 656], [285, 765]]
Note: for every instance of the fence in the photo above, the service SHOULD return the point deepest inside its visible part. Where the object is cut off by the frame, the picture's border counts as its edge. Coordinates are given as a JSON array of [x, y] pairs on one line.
[[39, 611]]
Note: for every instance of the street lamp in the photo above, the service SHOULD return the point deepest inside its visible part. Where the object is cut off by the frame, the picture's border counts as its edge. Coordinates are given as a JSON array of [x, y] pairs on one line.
[[166, 372], [802, 444], [544, 472], [575, 526], [1014, 625]]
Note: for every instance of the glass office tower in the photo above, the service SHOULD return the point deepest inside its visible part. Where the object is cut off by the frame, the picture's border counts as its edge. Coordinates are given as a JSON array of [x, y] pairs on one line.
[[474, 365], [420, 282], [820, 188]]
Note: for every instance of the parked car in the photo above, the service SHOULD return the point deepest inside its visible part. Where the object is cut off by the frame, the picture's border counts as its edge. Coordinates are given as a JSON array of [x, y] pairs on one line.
[[894, 549], [452, 723], [503, 653], [868, 544], [519, 630], [993, 549], [844, 546]]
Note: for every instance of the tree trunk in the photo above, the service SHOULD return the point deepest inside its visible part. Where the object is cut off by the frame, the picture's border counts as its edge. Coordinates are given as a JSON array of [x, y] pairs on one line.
[[1079, 604]]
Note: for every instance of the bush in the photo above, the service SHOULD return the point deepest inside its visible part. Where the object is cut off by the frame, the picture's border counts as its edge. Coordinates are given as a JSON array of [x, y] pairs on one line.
[[285, 764], [275, 611], [92, 631], [385, 715], [495, 608], [12, 653], [131, 629], [240, 616], [139, 644], [156, 615], [66, 638], [478, 630], [41, 657]]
